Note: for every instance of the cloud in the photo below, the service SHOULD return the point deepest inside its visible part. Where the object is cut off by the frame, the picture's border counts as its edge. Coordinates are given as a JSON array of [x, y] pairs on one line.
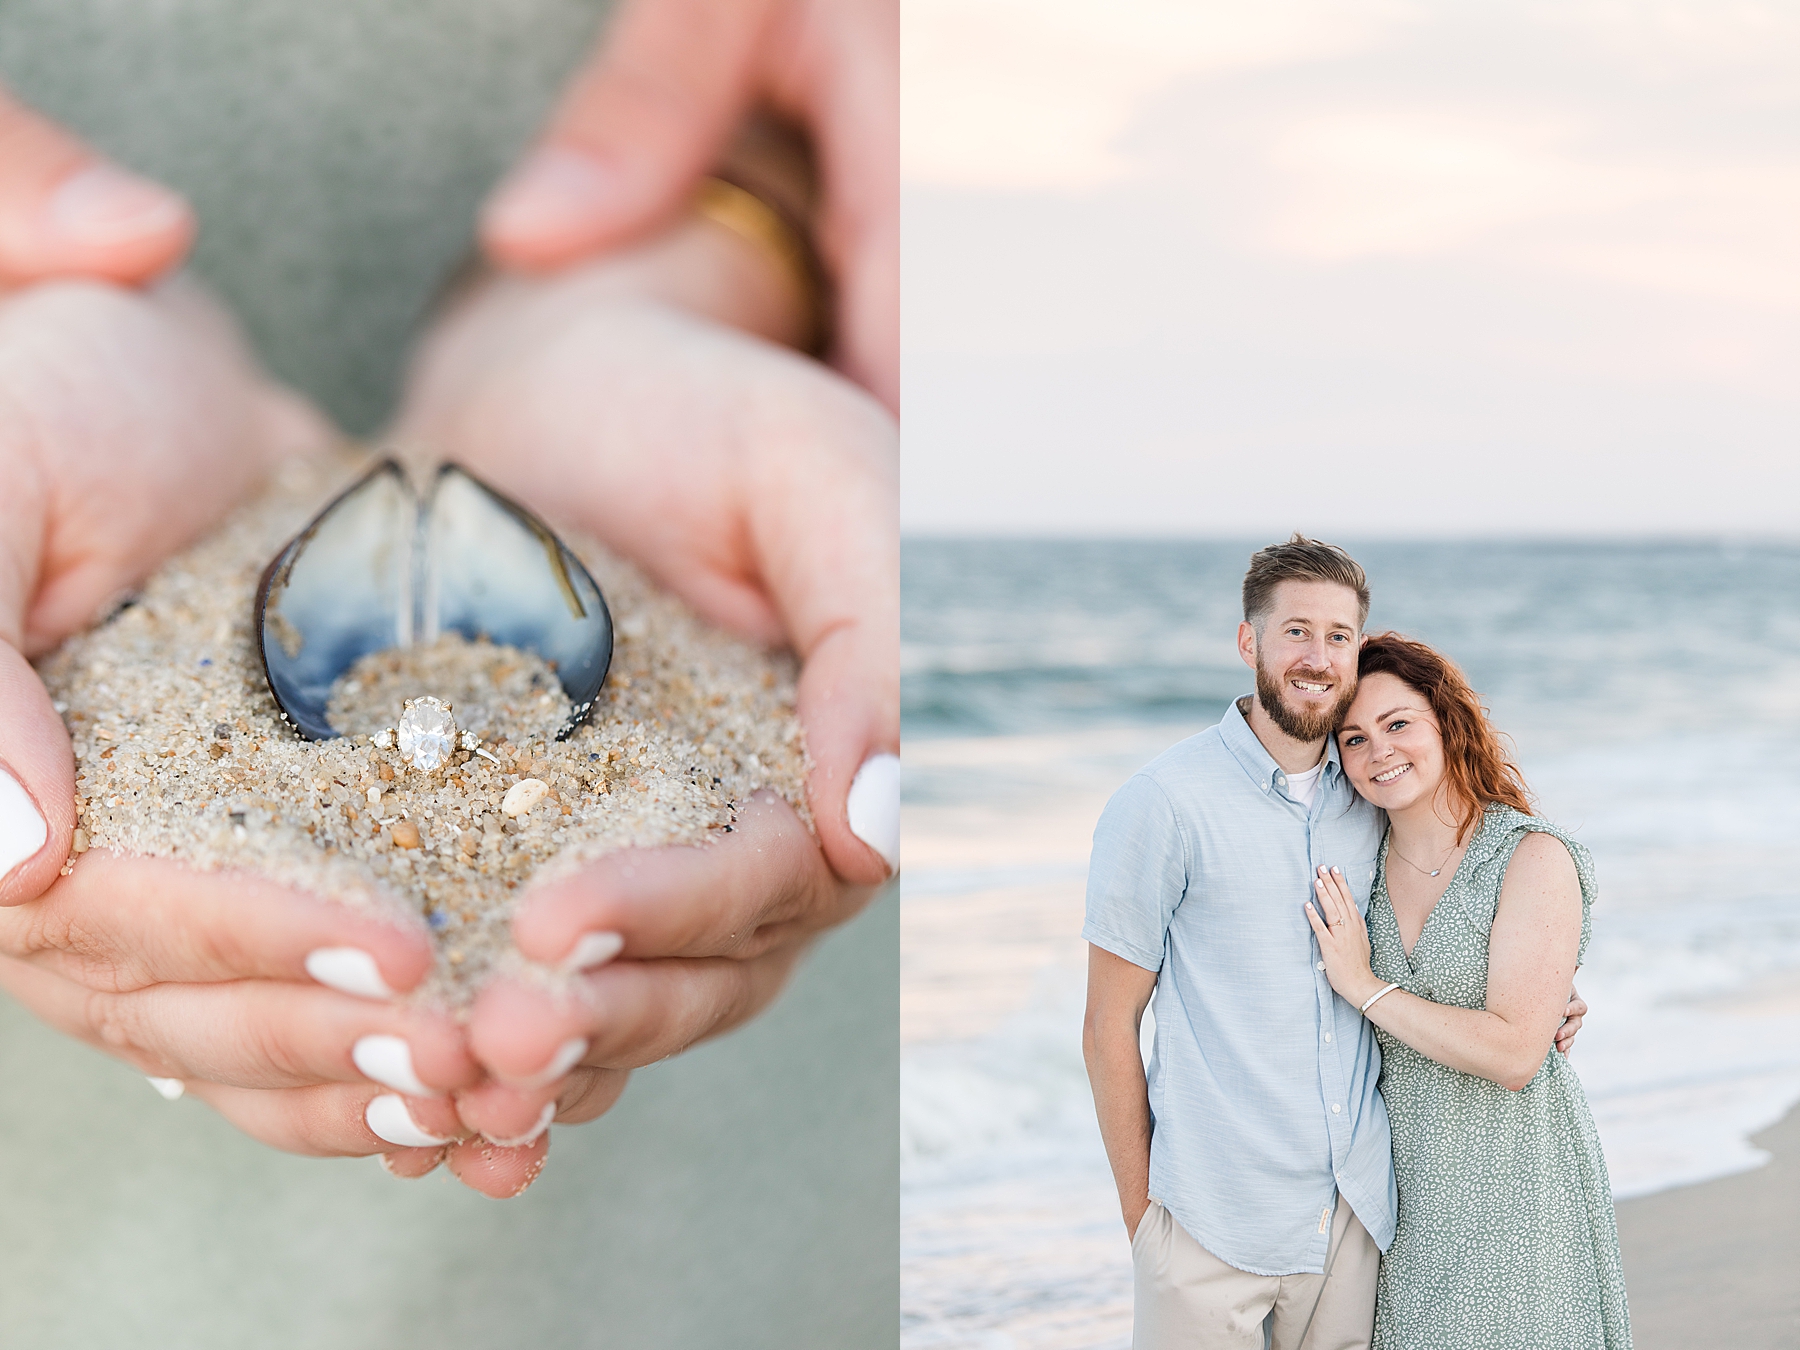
[[1035, 94], [1161, 259], [1549, 192], [1364, 183]]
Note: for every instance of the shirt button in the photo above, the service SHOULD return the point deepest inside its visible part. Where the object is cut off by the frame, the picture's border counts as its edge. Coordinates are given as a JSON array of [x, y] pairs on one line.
[[1335, 1108], [1328, 1035], [1321, 965]]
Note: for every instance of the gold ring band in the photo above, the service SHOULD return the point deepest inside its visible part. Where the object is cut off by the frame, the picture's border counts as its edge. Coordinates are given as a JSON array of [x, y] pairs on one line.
[[751, 218]]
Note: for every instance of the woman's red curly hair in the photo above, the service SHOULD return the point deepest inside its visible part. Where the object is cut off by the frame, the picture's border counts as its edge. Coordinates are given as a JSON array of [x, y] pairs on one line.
[[1476, 763]]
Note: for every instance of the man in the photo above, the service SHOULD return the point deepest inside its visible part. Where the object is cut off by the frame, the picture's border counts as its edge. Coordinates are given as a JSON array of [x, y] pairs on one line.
[[1253, 1163]]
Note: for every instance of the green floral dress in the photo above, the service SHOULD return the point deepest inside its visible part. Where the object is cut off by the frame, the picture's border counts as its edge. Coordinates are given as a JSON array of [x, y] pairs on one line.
[[1506, 1238]]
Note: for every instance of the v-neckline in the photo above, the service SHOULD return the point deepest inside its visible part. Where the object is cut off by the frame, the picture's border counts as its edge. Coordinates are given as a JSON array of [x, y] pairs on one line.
[[1406, 953]]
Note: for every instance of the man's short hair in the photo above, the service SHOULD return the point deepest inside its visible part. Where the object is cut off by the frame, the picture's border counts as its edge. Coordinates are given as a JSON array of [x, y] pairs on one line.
[[1300, 559]]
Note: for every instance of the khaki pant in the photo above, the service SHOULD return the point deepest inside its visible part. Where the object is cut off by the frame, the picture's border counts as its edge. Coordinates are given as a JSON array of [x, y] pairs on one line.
[[1185, 1298]]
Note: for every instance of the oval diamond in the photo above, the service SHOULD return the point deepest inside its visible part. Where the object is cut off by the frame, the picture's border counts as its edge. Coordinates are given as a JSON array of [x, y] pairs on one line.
[[427, 733]]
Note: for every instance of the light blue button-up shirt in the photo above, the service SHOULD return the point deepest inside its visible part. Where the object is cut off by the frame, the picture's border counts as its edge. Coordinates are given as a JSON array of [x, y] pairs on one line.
[[1262, 1081]]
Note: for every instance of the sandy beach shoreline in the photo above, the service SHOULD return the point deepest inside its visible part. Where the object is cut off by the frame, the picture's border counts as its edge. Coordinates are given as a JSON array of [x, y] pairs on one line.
[[1717, 1263]]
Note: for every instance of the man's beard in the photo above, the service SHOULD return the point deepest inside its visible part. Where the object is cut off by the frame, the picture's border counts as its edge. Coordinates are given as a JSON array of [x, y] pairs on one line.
[[1305, 724]]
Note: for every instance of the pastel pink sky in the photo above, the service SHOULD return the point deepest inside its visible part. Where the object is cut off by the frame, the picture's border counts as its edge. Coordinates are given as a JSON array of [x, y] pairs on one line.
[[1175, 266]]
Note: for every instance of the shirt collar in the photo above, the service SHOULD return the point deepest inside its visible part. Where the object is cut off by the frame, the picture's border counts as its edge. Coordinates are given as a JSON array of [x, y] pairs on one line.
[[1255, 760]]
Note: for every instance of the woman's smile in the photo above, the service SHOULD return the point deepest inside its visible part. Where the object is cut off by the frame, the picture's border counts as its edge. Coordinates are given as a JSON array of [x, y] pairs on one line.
[[1392, 749]]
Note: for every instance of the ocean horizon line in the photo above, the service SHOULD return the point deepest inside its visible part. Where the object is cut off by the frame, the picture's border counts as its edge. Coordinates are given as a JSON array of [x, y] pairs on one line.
[[1714, 538]]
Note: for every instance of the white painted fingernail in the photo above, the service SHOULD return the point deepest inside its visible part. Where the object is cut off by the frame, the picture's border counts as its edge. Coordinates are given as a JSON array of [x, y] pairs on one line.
[[390, 1120], [593, 949], [567, 1056], [172, 1089], [349, 970], [874, 806], [22, 827], [550, 192], [388, 1060], [103, 205], [543, 1123]]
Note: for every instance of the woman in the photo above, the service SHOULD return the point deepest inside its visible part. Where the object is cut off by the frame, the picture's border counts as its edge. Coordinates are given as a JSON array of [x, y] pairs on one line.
[[1477, 920]]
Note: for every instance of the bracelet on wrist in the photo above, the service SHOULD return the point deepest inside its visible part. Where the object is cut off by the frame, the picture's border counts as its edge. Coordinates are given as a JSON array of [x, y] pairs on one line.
[[1377, 997]]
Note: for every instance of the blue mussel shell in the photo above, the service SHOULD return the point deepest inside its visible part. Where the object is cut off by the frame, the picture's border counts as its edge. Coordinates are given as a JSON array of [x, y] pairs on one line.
[[384, 566]]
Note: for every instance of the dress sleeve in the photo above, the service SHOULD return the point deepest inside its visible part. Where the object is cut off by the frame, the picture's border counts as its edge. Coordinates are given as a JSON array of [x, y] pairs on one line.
[[1137, 875], [1584, 873]]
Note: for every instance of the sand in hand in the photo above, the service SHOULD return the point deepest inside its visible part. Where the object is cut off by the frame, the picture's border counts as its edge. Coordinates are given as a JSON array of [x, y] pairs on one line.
[[181, 752]]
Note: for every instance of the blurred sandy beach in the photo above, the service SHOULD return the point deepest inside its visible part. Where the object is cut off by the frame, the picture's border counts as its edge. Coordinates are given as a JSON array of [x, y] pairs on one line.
[[1714, 1264]]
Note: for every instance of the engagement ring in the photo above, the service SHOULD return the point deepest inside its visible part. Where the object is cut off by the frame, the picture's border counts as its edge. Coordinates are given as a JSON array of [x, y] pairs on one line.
[[427, 735]]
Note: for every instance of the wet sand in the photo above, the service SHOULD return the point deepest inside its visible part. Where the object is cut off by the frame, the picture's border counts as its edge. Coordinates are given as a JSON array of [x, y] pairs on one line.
[[1719, 1263]]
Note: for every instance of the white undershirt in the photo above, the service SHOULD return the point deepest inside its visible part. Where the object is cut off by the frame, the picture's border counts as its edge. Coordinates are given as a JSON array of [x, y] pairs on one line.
[[1303, 787]]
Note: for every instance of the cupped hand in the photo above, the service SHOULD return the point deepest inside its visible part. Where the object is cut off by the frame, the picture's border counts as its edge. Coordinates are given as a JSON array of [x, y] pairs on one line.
[[1343, 936], [213, 981], [761, 488], [130, 422], [752, 482], [658, 101], [684, 944], [274, 1007], [76, 363]]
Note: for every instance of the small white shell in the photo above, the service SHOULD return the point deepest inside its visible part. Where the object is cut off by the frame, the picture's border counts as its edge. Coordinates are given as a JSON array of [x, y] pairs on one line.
[[523, 795]]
